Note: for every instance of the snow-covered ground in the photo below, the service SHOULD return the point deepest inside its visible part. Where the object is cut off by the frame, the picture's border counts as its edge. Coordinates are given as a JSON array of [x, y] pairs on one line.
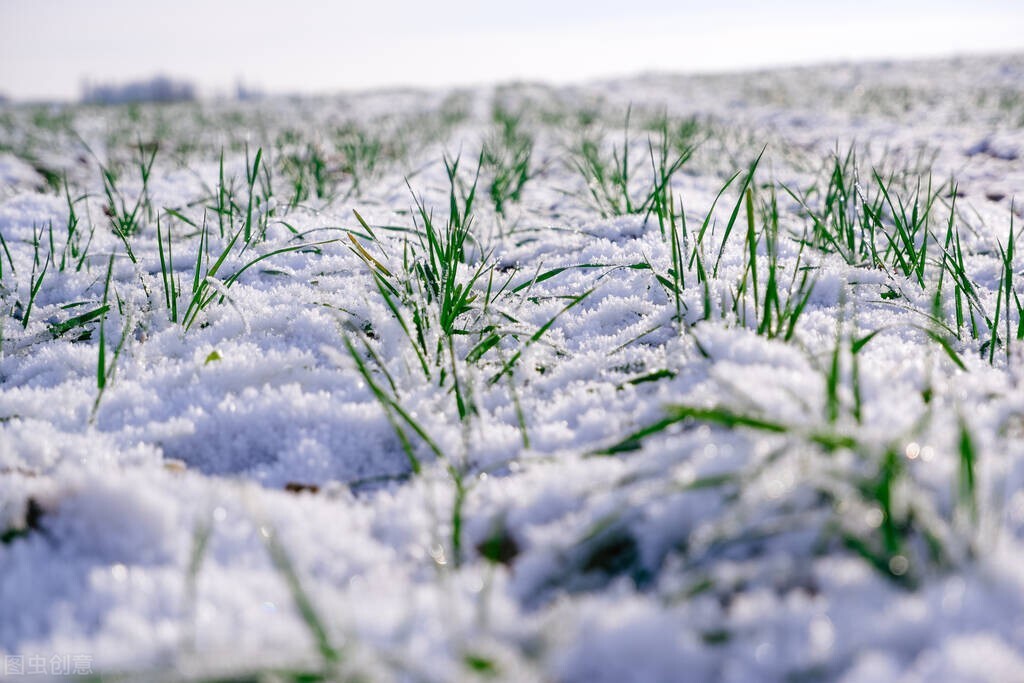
[[573, 483]]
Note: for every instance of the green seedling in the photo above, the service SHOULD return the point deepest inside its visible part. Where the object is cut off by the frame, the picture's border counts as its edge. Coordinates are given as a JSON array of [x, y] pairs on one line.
[[507, 155]]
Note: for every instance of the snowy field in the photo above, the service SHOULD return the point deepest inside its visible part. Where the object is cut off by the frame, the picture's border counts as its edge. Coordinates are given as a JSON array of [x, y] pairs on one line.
[[661, 379]]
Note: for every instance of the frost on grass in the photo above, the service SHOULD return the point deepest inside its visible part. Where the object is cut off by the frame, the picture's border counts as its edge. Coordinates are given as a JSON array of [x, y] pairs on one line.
[[713, 378]]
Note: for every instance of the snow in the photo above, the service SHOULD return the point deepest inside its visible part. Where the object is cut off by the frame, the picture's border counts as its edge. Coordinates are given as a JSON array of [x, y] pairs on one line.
[[708, 553]]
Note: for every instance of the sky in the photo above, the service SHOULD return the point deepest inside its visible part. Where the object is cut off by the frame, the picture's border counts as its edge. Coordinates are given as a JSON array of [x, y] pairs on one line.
[[49, 48]]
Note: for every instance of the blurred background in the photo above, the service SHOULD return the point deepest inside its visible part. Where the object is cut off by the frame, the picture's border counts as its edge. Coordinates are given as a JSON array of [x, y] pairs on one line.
[[67, 49]]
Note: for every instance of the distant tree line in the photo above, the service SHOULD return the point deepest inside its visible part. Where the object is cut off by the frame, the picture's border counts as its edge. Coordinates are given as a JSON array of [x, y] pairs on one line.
[[156, 89]]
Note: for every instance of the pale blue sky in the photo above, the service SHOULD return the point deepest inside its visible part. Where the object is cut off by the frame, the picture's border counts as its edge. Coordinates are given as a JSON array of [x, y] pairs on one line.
[[47, 47]]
